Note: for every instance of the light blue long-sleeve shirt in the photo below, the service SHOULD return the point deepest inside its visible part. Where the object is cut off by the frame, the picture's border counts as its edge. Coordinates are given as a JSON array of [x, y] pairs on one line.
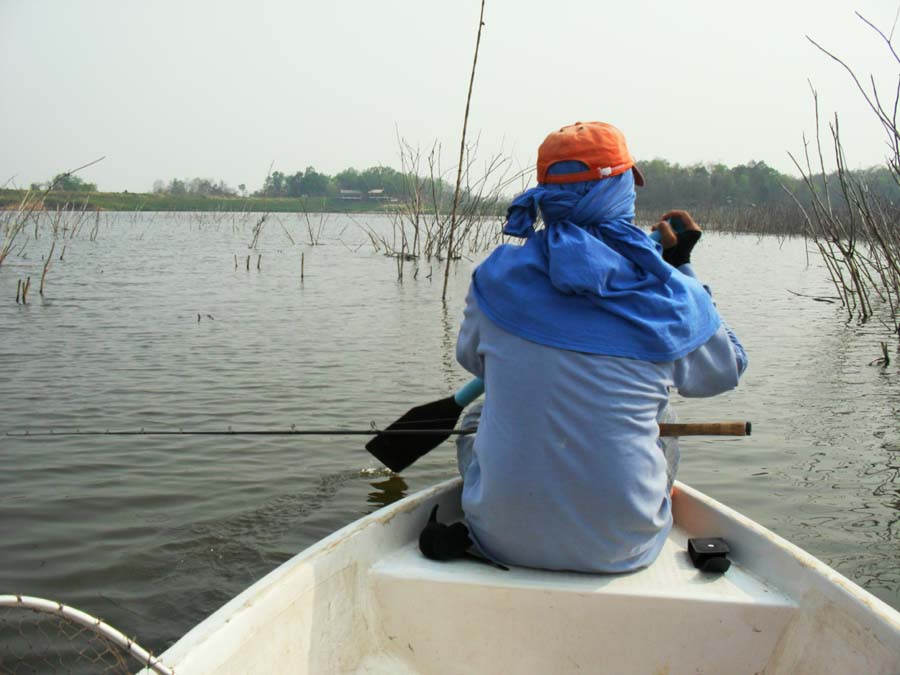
[[566, 472]]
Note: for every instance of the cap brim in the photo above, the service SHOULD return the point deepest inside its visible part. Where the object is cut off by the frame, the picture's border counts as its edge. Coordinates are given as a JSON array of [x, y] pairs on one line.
[[638, 176]]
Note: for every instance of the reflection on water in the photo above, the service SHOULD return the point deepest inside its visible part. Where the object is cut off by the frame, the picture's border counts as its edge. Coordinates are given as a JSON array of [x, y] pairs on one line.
[[388, 491], [153, 534]]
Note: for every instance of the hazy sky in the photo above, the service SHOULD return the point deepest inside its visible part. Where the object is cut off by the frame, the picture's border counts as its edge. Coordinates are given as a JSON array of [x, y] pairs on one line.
[[221, 89]]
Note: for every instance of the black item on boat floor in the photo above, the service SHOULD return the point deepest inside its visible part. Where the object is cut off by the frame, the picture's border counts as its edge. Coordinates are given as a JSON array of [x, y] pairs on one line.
[[450, 542], [444, 542], [710, 554]]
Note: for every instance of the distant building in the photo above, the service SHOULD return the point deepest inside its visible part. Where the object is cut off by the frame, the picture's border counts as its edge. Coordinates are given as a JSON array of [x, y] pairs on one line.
[[376, 195]]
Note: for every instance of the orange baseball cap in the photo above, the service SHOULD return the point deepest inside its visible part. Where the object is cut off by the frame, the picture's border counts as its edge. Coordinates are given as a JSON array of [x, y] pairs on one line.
[[598, 145]]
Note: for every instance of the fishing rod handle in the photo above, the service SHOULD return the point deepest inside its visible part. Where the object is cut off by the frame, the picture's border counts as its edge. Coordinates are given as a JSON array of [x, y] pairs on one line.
[[706, 429]]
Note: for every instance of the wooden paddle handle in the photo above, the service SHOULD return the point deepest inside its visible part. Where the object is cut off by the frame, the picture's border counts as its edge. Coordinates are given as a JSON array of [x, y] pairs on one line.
[[706, 429]]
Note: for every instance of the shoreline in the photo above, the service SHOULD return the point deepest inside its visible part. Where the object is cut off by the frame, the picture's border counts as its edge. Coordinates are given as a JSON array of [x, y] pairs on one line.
[[135, 202]]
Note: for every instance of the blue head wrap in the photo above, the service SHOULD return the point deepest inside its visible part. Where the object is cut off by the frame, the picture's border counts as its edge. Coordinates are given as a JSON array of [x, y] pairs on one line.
[[590, 281]]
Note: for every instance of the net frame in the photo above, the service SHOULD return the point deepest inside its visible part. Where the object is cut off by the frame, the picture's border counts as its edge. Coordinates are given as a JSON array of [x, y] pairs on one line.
[[81, 618]]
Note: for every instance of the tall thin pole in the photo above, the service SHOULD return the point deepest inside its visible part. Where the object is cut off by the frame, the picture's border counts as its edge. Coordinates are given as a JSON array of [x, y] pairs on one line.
[[462, 149]]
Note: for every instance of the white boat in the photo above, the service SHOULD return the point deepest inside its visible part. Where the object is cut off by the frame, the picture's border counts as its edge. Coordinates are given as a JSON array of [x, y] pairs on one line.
[[364, 600]]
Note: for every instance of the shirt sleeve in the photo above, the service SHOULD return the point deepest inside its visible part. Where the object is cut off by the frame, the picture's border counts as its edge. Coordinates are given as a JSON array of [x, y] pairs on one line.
[[470, 337], [713, 368]]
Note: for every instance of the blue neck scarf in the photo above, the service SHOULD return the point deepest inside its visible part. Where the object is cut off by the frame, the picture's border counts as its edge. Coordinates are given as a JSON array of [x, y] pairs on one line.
[[590, 281]]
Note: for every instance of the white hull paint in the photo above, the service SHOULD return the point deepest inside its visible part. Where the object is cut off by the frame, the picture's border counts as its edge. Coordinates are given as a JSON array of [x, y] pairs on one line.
[[364, 600]]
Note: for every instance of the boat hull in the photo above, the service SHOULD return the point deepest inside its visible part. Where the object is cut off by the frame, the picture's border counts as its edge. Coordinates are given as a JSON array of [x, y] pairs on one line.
[[364, 600]]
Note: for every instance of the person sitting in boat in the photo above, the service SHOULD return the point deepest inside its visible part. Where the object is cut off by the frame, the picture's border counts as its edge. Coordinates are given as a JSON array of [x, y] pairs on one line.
[[579, 334]]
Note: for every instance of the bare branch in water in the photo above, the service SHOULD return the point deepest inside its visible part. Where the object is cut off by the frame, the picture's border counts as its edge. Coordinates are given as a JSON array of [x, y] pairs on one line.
[[46, 268], [858, 237], [462, 148]]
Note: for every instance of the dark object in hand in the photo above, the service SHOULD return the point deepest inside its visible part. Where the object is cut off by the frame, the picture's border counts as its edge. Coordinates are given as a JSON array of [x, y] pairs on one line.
[[709, 555], [680, 253]]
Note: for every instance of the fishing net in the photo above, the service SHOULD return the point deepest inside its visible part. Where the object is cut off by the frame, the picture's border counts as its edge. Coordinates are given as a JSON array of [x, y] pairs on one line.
[[42, 636]]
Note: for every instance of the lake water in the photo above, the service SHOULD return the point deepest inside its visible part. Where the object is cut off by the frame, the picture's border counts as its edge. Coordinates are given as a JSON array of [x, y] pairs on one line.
[[154, 533]]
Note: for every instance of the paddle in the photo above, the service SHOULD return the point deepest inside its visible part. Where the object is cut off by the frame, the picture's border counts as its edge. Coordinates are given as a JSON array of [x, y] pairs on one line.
[[425, 427], [399, 451]]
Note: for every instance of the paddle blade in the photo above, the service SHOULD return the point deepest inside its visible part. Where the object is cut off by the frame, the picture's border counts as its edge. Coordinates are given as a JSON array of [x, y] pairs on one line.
[[398, 451]]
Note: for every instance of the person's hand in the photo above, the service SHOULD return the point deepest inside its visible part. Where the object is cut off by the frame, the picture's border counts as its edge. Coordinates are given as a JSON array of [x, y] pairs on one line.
[[677, 247]]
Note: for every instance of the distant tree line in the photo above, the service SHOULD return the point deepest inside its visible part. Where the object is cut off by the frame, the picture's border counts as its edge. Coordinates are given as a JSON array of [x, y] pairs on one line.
[[706, 185], [307, 183], [751, 184], [668, 185], [311, 183], [390, 184], [197, 186]]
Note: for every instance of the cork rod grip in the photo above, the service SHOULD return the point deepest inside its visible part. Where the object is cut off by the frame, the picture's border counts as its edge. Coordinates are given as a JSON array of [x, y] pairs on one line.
[[706, 429]]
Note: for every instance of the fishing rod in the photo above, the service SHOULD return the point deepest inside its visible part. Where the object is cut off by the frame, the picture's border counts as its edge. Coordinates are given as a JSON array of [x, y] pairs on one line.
[[685, 429], [239, 432]]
